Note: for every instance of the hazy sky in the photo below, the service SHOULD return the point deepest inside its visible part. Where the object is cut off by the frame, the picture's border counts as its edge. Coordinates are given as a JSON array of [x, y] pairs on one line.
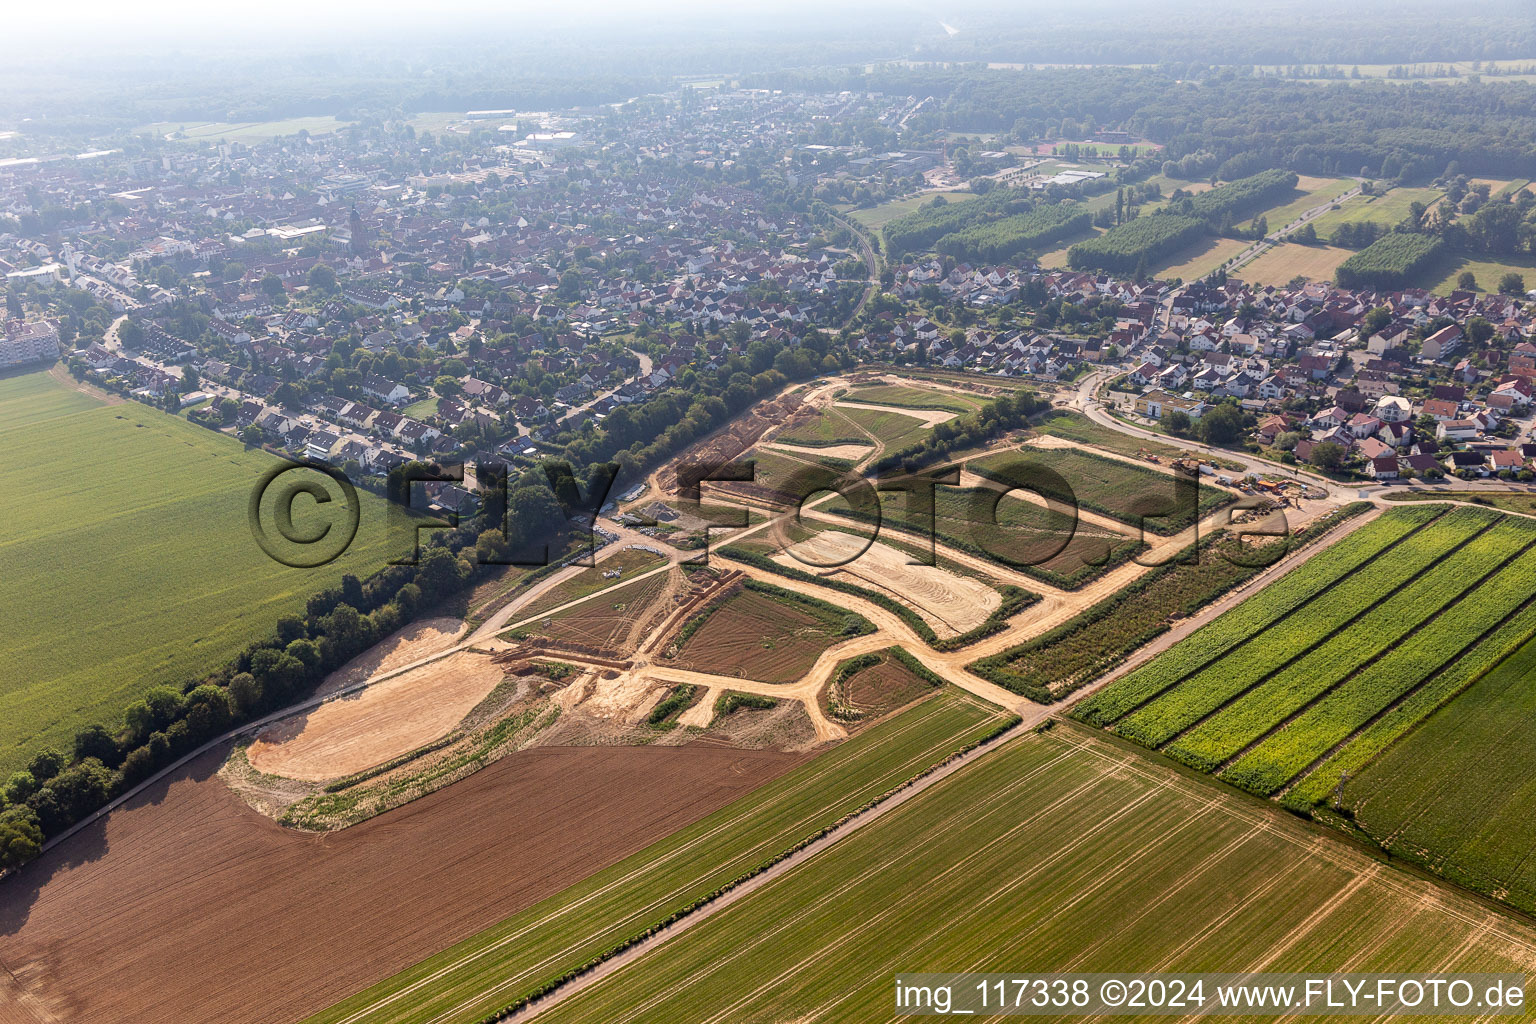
[[195, 17]]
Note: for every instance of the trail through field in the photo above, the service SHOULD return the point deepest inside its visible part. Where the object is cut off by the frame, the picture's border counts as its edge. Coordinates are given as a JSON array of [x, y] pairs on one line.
[[929, 417], [834, 451]]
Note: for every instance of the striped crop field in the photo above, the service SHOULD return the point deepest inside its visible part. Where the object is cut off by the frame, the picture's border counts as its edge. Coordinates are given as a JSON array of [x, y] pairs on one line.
[[1305, 686], [488, 972], [1065, 853]]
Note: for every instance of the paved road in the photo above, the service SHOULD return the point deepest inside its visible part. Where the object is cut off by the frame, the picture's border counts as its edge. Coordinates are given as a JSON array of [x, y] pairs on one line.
[[1276, 237]]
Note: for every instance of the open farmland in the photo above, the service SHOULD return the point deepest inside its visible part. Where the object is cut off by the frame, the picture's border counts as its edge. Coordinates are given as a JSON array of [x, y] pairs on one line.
[[1134, 495], [876, 217], [1315, 676], [142, 545], [1309, 193], [1198, 259], [772, 637], [1456, 794], [1056, 663], [500, 965], [232, 899], [1386, 210], [1023, 857], [1443, 275], [245, 131], [612, 623], [1283, 263]]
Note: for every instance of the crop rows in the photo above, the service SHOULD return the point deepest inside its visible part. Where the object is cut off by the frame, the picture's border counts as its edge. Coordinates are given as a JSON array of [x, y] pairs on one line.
[[1418, 705], [1455, 795], [1273, 699], [492, 969], [1281, 756], [1175, 711], [1259, 613], [1059, 661], [1023, 856]]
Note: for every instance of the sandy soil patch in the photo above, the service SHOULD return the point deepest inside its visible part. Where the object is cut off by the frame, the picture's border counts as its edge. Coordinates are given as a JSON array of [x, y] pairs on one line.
[[852, 452], [419, 640], [384, 721], [928, 417], [949, 602], [257, 924]]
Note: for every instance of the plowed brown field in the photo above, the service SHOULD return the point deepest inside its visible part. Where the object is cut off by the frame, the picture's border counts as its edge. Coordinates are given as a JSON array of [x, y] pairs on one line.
[[187, 907]]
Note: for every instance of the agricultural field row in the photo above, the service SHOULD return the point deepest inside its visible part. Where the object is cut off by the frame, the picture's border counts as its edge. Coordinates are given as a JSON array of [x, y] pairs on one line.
[[1456, 794], [497, 967], [1397, 721], [1388, 703], [939, 884], [1354, 653], [1439, 638], [1058, 662], [1283, 644], [1267, 608]]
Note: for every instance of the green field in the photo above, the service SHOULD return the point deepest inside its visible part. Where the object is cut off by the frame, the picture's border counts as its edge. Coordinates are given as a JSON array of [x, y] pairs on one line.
[[909, 397], [1305, 684], [424, 409], [503, 964], [829, 428], [1387, 209], [1134, 495], [1523, 502], [1054, 853], [893, 429], [245, 131], [1457, 794], [128, 559], [1441, 276], [877, 217], [1309, 193]]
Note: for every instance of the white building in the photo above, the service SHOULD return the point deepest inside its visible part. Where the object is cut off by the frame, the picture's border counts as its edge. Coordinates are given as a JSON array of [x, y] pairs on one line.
[[28, 342]]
